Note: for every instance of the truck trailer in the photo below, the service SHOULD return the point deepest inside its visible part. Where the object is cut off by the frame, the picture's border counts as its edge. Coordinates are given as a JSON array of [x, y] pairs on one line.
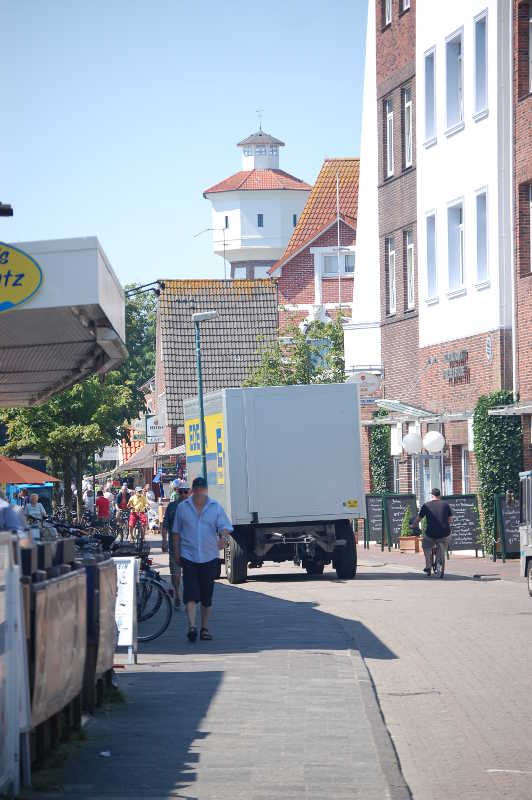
[[285, 462]]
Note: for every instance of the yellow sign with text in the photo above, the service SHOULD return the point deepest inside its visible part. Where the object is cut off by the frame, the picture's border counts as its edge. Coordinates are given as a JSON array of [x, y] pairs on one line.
[[20, 277], [214, 444]]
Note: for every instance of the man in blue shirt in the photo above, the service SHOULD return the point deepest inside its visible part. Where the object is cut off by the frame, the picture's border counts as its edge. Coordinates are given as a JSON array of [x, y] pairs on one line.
[[201, 526]]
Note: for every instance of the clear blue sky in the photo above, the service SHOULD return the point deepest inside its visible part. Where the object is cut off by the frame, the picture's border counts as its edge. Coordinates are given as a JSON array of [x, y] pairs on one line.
[[117, 114]]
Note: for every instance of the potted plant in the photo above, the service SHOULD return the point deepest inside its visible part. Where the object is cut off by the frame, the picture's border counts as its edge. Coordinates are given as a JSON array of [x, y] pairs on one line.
[[408, 541]]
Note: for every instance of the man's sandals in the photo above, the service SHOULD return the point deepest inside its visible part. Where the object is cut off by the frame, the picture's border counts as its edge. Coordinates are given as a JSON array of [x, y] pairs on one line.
[[205, 634]]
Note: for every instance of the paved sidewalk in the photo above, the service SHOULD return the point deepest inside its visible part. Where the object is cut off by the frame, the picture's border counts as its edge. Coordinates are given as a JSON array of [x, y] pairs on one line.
[[457, 564], [278, 707]]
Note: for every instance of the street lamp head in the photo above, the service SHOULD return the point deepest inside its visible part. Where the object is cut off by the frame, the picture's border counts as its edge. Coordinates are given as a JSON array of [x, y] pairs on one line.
[[204, 315]]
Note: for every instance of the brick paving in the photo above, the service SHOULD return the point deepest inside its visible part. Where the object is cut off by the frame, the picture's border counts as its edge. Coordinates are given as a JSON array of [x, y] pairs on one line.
[[278, 706]]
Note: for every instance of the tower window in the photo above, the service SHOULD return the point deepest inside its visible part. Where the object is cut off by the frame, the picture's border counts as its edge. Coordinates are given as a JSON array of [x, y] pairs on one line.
[[260, 149], [294, 220], [226, 222], [274, 150], [248, 150], [260, 220]]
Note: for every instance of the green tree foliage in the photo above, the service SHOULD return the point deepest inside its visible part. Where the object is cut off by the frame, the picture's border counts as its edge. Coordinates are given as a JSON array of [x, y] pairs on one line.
[[316, 356], [72, 426], [499, 456], [141, 320], [379, 454]]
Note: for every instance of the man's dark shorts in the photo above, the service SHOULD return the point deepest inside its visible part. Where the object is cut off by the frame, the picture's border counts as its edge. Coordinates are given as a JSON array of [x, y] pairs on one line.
[[198, 581]]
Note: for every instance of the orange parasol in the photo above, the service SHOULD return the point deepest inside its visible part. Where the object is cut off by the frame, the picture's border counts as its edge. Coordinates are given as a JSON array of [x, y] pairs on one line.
[[13, 472]]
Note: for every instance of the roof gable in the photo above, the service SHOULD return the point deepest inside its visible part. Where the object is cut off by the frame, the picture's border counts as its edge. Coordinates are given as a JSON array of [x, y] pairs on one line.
[[320, 211]]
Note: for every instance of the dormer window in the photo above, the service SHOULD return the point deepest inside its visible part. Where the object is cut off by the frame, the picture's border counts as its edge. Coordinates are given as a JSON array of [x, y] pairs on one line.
[[274, 150], [248, 150], [260, 149]]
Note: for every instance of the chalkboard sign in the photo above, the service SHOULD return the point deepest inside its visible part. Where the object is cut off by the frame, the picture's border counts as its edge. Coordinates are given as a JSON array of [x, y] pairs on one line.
[[374, 517], [508, 525], [466, 522], [395, 506]]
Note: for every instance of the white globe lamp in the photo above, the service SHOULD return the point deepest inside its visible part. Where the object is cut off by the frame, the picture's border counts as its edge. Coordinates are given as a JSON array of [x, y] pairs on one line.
[[433, 442], [412, 443]]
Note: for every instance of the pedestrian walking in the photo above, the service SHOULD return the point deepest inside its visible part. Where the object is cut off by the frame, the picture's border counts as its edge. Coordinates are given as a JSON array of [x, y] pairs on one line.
[[201, 527], [102, 505], [89, 500], [183, 491]]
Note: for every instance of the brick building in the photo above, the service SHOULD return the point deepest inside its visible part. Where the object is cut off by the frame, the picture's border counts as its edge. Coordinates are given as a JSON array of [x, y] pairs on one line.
[[446, 189], [522, 143], [315, 276]]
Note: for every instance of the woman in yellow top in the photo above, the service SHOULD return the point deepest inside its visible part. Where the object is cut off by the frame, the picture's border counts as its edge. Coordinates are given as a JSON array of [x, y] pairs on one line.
[[138, 504]]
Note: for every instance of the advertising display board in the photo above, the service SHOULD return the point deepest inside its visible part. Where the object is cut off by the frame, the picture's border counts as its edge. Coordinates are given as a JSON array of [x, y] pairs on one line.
[[466, 522], [126, 603]]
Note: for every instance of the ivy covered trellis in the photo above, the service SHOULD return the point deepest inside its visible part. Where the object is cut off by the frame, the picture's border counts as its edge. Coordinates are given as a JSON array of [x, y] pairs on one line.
[[379, 454], [499, 456]]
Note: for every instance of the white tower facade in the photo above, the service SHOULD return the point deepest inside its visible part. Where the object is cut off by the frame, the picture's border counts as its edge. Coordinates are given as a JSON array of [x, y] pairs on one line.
[[255, 210]]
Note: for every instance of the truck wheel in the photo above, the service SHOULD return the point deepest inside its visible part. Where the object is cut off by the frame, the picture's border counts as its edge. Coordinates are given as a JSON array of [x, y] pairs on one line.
[[313, 568], [529, 577], [236, 561], [345, 557]]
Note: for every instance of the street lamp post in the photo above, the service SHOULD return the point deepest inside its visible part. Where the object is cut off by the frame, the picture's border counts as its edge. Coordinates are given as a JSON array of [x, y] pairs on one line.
[[197, 318]]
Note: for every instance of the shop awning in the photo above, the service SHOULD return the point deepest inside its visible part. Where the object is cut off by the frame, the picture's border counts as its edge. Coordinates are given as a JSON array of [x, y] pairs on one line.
[[73, 325], [400, 412], [13, 472], [175, 451], [142, 459]]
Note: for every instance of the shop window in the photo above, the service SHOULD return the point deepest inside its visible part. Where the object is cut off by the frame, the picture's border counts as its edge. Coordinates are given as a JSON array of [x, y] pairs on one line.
[[481, 63], [454, 82], [396, 475], [430, 97]]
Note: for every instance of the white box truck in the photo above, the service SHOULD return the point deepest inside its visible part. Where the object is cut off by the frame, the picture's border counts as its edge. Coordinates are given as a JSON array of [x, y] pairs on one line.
[[286, 464]]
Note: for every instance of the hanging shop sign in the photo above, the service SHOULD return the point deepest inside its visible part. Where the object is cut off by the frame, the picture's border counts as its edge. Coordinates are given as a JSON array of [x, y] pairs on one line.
[[20, 277], [155, 429]]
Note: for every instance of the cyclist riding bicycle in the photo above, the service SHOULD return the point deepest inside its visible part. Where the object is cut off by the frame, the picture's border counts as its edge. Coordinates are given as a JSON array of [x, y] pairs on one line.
[[138, 505], [439, 519]]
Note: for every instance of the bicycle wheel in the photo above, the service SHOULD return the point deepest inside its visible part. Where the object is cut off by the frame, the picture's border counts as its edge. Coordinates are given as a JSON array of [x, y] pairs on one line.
[[154, 610]]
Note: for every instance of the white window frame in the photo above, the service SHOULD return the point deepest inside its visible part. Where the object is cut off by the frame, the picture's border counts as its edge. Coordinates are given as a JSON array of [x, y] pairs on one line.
[[388, 12], [466, 472], [455, 291], [405, 5], [396, 474], [392, 276], [274, 149], [389, 138], [239, 269], [482, 282], [432, 138], [347, 272], [410, 271], [455, 125], [409, 115], [432, 298], [248, 150], [319, 254], [481, 111], [260, 150]]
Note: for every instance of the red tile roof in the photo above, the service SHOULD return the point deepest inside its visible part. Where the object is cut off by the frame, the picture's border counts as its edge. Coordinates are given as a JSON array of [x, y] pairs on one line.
[[320, 209], [257, 179]]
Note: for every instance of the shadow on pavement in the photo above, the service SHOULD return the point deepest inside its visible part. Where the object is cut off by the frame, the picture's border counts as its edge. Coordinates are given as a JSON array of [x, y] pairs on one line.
[[248, 621]]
